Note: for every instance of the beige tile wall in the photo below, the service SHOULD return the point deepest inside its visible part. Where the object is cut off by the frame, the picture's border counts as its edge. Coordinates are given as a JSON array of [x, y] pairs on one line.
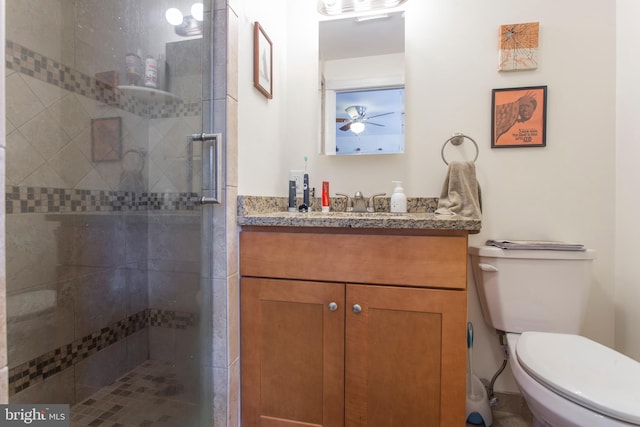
[[224, 355], [49, 27], [4, 370], [49, 142]]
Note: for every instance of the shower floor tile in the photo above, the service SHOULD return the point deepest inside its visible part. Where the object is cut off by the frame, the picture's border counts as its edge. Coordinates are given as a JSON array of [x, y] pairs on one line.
[[150, 395]]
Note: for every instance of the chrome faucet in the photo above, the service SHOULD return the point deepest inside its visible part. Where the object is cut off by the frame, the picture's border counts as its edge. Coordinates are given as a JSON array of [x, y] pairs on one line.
[[358, 203]]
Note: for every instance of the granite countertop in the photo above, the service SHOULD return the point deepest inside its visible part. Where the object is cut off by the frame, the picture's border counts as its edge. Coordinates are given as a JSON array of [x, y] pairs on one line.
[[272, 212]]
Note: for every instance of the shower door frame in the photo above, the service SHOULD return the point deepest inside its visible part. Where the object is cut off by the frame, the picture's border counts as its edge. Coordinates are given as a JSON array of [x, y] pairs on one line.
[[219, 237]]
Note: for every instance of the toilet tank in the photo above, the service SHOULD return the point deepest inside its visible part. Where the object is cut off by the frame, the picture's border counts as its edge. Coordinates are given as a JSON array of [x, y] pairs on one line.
[[532, 290]]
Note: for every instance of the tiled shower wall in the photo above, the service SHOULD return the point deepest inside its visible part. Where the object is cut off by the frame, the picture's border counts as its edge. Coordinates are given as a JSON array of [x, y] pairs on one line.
[[50, 108], [121, 288], [4, 370], [102, 269]]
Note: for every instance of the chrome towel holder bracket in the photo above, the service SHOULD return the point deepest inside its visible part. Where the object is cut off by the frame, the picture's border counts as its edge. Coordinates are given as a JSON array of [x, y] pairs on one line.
[[457, 139]]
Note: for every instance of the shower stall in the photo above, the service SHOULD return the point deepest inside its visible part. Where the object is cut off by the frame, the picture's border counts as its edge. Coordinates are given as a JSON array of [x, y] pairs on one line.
[[120, 282]]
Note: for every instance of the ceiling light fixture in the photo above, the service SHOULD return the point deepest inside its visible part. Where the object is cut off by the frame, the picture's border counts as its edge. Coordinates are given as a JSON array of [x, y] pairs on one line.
[[371, 17], [186, 26], [197, 11], [174, 16], [338, 7], [362, 5]]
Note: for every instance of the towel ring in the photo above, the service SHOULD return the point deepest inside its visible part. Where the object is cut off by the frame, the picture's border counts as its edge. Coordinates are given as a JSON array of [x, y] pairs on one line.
[[457, 139]]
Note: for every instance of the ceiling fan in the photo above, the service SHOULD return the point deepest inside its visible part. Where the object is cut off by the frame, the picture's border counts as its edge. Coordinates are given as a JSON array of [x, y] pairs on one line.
[[357, 119]]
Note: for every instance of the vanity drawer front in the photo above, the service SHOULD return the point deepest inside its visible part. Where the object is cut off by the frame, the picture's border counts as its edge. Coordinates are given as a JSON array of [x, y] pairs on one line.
[[405, 260]]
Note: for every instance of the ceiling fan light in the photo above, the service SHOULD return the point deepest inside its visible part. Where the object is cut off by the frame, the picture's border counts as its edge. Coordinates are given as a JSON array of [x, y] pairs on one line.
[[357, 127], [356, 111]]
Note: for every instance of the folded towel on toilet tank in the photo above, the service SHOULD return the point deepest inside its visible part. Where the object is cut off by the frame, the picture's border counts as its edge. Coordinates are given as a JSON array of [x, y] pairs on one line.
[[461, 193]]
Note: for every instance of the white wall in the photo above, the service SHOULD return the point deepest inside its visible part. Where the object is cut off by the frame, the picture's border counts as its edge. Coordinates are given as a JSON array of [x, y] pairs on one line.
[[564, 191], [627, 179], [262, 124]]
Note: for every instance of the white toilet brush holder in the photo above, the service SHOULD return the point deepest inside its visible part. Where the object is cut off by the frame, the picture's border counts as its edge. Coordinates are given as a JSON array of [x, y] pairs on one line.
[[478, 410]]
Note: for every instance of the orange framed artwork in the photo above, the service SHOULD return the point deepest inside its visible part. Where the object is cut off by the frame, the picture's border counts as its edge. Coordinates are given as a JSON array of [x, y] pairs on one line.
[[518, 47], [519, 117]]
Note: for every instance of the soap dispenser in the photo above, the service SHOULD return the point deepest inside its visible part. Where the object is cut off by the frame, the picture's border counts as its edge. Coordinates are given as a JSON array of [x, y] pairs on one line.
[[398, 198]]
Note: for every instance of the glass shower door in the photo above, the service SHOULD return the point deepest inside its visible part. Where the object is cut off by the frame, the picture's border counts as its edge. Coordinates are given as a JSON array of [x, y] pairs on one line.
[[108, 276]]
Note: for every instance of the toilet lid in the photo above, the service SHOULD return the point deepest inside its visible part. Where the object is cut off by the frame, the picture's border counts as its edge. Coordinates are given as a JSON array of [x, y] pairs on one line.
[[583, 371]]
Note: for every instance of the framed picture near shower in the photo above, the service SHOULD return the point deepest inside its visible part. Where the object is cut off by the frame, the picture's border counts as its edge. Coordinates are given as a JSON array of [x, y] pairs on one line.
[[519, 117], [106, 139], [262, 61]]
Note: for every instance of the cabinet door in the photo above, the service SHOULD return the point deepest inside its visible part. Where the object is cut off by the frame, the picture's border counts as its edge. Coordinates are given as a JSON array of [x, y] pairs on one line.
[[405, 357], [292, 353]]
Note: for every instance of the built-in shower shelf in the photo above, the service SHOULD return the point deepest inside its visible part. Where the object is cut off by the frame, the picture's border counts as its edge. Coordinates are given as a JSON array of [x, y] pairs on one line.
[[147, 93]]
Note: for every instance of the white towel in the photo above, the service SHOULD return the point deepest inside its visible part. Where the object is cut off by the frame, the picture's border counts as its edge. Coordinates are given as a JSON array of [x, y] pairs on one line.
[[461, 192]]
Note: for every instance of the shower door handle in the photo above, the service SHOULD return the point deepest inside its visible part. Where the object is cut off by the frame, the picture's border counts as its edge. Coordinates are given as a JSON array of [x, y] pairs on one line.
[[204, 200], [211, 167]]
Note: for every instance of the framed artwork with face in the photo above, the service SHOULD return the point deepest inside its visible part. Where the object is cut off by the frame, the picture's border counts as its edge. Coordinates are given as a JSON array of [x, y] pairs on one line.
[[519, 117]]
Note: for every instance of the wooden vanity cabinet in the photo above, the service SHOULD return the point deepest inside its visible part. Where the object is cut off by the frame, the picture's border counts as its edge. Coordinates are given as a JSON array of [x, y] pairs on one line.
[[333, 335]]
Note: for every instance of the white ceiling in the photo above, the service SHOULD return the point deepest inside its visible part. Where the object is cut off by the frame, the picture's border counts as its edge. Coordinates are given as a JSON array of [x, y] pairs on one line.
[[348, 38]]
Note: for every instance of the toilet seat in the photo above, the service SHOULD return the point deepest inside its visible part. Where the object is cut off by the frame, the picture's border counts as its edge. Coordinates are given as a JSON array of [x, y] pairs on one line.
[[584, 372]]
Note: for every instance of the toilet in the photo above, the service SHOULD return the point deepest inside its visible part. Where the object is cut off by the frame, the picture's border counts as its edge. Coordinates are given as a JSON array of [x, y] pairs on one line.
[[538, 298]]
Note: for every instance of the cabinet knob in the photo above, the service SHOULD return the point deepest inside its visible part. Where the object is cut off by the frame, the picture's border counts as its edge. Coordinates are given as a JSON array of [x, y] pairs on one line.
[[333, 306], [356, 308]]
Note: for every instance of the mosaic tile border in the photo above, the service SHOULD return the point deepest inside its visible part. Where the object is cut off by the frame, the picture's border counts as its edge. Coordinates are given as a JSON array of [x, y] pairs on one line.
[[42, 367], [60, 200], [31, 63], [171, 319], [26, 61]]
